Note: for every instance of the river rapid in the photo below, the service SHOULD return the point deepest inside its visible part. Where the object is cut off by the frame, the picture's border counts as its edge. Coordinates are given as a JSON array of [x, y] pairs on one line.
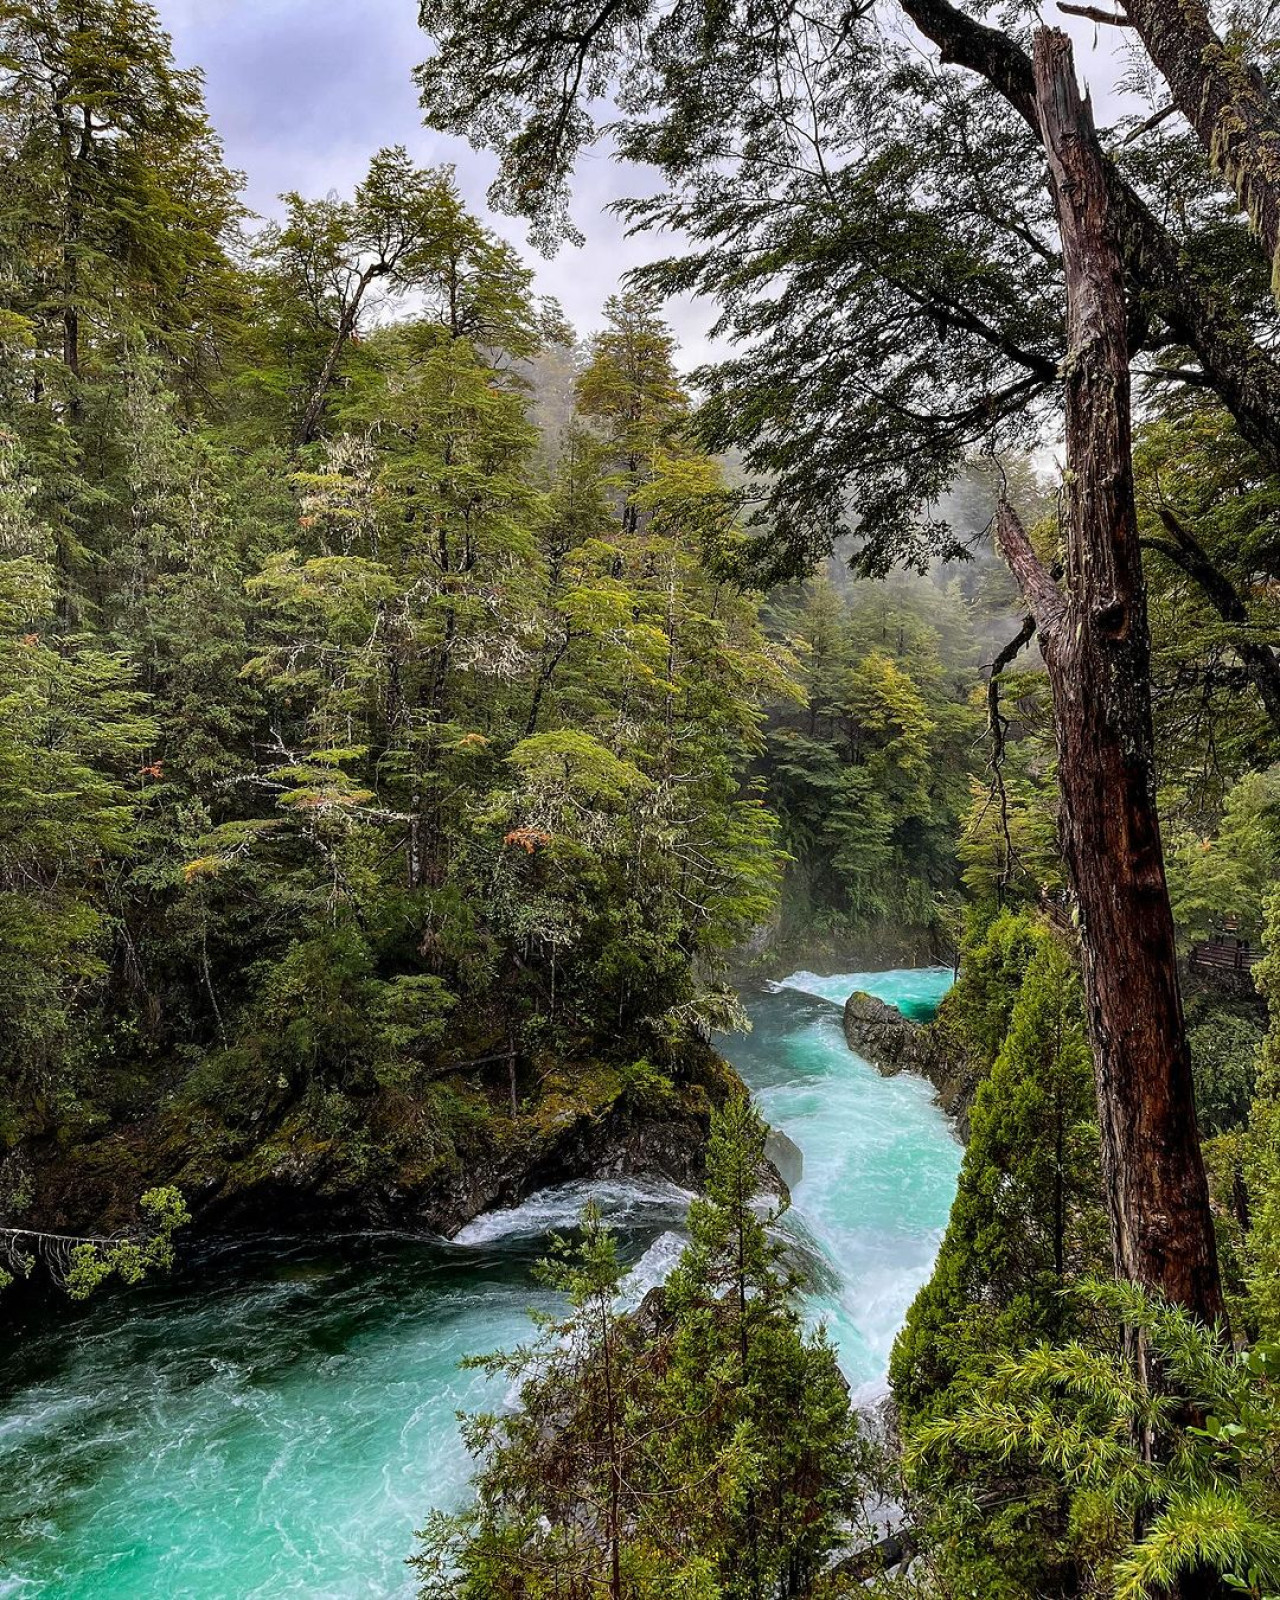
[[276, 1419]]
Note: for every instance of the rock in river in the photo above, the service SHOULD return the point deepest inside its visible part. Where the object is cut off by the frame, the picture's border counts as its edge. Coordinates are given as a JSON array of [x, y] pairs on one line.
[[892, 1043]]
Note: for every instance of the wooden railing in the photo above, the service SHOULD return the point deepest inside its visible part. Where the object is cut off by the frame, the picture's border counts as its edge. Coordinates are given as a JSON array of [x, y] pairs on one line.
[[1225, 953]]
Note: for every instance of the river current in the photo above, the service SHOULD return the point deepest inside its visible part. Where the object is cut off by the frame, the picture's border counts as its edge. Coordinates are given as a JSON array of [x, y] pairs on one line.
[[275, 1420]]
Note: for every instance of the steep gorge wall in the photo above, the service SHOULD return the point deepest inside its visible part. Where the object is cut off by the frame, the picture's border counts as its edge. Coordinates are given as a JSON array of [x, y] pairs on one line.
[[584, 1120]]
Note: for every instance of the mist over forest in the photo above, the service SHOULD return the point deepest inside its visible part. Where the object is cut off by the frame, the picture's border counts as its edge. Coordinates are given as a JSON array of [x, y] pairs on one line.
[[640, 800]]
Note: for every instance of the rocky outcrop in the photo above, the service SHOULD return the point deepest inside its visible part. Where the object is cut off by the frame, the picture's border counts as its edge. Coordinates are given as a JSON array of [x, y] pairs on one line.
[[785, 1156], [413, 1162], [886, 1038], [569, 1139], [893, 1043]]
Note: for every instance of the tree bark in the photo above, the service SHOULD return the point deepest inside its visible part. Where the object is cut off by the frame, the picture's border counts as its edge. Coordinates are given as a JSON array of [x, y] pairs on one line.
[[996, 725], [1226, 101], [1095, 643], [1244, 376], [546, 672]]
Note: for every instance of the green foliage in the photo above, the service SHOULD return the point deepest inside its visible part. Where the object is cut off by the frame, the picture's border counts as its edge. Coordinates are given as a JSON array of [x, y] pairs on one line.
[[1009, 842], [370, 761], [1262, 1145], [1076, 1418], [362, 750], [1019, 1406], [829, 262], [411, 1015], [73, 727], [994, 957], [572, 769], [866, 205], [404, 233], [1203, 497], [1213, 881], [868, 211], [117, 207], [1027, 1216], [871, 775], [81, 1265], [164, 1211], [1224, 1049], [1027, 1220], [701, 1446], [632, 396]]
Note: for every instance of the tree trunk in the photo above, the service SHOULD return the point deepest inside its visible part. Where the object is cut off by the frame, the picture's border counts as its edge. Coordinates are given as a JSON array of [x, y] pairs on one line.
[[1095, 644], [546, 672], [1226, 101], [1245, 376], [306, 430]]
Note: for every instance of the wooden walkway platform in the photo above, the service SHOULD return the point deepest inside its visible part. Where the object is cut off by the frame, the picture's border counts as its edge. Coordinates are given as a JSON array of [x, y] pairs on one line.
[[1225, 953]]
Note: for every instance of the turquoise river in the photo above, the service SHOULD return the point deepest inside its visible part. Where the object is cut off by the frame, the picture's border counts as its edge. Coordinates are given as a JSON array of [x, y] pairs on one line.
[[276, 1419]]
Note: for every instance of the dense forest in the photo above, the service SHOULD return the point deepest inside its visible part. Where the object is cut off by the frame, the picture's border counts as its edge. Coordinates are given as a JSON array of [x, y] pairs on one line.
[[422, 721]]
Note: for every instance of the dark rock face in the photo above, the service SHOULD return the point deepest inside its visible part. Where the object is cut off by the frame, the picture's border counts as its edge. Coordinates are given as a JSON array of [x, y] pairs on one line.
[[883, 1035], [892, 1044], [624, 1142], [785, 1156], [584, 1120]]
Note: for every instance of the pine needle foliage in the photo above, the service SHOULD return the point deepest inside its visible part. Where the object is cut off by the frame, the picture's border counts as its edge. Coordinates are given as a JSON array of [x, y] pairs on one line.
[[1120, 1455], [702, 1446]]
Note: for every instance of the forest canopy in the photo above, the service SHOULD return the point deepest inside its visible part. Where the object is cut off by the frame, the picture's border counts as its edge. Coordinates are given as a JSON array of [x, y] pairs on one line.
[[422, 721]]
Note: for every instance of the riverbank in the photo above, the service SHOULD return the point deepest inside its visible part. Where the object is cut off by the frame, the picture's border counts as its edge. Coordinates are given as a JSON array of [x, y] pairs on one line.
[[429, 1162]]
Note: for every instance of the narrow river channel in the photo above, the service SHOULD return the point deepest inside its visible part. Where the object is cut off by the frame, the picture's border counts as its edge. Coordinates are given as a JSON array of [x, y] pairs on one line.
[[276, 1420]]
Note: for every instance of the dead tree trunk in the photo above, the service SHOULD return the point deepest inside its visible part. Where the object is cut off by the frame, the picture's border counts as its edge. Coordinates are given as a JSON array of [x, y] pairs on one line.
[[1093, 634]]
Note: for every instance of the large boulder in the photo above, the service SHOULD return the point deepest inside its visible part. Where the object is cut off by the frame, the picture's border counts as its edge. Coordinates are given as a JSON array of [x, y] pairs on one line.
[[880, 1034]]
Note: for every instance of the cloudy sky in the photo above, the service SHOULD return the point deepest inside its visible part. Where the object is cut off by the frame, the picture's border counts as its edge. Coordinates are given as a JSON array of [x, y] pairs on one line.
[[304, 91]]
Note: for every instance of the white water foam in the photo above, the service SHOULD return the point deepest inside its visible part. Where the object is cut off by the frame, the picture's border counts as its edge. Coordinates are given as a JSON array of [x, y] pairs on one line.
[[622, 1203], [654, 1266], [890, 986]]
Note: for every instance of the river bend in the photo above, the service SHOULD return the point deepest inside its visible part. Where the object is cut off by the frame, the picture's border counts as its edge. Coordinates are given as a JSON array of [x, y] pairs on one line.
[[277, 1419]]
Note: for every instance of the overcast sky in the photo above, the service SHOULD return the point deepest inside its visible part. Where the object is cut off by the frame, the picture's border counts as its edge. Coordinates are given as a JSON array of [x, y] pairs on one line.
[[304, 91]]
